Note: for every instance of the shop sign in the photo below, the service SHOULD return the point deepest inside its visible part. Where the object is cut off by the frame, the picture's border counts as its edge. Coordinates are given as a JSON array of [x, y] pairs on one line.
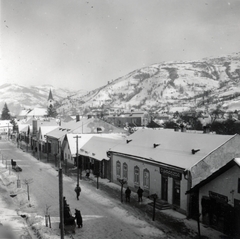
[[218, 196], [170, 173]]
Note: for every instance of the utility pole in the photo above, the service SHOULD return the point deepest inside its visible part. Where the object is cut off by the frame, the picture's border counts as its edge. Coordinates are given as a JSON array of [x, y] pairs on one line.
[[38, 155], [59, 152], [47, 149], [78, 169], [61, 215]]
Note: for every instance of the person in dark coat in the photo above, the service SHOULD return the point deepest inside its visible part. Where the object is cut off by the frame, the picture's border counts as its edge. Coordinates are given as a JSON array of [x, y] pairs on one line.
[[128, 194], [64, 202], [78, 218], [140, 193], [77, 190]]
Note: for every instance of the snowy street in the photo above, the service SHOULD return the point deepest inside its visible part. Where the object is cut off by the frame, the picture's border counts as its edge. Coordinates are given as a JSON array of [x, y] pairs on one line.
[[102, 217]]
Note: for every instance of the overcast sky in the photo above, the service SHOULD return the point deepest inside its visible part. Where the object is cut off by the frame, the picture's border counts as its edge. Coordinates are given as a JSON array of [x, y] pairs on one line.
[[84, 44]]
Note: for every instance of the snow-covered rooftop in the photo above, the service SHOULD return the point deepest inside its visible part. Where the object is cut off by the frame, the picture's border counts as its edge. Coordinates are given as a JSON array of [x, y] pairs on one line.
[[175, 148], [84, 138], [45, 129], [97, 147]]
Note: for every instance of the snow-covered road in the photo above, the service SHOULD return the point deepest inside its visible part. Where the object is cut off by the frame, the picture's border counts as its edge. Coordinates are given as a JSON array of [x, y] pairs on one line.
[[102, 217]]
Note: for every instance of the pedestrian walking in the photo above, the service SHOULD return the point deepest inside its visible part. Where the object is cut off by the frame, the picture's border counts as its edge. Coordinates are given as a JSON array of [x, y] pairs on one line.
[[128, 194], [140, 193], [78, 190], [78, 218], [87, 173]]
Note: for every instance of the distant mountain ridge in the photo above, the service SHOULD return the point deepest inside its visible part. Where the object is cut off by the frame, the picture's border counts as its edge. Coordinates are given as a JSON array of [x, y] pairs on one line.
[[171, 86], [162, 87], [19, 97]]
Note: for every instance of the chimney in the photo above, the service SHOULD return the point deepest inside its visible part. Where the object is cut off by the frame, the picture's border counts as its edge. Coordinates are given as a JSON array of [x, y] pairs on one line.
[[34, 127], [77, 118], [195, 151], [99, 130]]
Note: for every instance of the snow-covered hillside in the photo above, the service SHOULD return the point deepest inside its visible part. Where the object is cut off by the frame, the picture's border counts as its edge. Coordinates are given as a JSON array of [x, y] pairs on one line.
[[161, 87], [18, 97], [200, 84]]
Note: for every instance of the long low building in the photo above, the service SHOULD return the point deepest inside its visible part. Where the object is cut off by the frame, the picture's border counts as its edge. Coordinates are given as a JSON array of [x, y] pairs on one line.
[[169, 163]]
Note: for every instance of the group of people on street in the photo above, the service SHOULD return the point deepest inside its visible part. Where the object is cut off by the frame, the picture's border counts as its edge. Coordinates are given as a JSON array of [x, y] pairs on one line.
[[78, 215], [68, 218], [128, 194], [128, 191]]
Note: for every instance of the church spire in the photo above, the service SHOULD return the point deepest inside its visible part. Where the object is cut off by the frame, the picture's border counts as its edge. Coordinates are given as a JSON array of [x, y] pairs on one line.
[[50, 97]]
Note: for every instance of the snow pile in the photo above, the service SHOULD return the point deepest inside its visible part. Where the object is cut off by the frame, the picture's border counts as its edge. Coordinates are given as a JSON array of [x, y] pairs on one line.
[[23, 214]]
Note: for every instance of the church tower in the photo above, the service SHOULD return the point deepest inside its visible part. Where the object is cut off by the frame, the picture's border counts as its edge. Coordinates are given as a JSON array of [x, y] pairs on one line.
[[50, 100], [51, 110]]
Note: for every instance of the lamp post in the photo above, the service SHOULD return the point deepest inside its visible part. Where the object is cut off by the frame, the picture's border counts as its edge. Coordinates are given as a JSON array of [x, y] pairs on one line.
[[122, 182], [154, 197], [27, 182]]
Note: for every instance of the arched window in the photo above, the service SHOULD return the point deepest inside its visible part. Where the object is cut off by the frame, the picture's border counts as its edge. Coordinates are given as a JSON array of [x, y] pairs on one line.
[[118, 169], [136, 175], [125, 171], [146, 178]]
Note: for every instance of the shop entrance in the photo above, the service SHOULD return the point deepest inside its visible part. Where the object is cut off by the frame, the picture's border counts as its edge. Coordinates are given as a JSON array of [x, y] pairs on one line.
[[217, 213], [176, 192], [164, 188]]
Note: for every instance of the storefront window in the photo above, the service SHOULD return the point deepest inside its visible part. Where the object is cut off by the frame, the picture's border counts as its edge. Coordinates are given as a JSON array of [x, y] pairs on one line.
[[125, 171], [146, 178], [176, 192], [118, 169], [136, 175]]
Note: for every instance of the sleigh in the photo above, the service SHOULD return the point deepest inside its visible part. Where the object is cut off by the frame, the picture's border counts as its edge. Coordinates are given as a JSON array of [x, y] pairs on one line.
[[69, 225], [68, 221]]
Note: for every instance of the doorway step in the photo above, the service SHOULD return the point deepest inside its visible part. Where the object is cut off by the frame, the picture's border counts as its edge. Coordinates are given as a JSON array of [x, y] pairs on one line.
[[161, 205]]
